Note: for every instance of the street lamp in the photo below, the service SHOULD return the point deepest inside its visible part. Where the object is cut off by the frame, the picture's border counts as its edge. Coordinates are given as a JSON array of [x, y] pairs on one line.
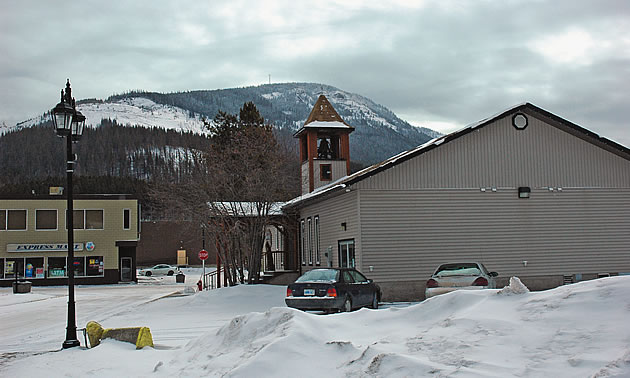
[[69, 123]]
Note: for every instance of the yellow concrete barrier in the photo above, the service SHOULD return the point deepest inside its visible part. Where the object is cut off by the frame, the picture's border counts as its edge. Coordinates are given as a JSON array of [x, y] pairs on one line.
[[140, 336]]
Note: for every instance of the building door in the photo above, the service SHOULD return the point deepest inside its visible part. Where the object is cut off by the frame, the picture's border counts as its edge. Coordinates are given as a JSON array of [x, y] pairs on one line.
[[346, 253], [126, 267]]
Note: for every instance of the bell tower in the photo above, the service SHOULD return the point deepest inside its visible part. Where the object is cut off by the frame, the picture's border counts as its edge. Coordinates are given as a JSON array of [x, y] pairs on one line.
[[324, 146]]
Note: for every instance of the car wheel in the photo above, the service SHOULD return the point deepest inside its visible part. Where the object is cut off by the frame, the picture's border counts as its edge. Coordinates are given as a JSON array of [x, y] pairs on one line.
[[347, 306], [375, 301], [170, 273], [148, 274]]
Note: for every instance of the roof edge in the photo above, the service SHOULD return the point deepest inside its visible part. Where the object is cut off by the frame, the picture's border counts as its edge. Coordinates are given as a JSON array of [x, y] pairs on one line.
[[589, 136]]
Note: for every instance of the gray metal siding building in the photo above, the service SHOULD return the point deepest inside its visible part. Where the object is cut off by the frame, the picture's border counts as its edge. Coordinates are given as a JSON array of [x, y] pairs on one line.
[[457, 198]]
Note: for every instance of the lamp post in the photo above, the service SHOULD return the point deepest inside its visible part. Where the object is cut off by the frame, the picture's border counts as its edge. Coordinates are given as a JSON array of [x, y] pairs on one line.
[[69, 123]]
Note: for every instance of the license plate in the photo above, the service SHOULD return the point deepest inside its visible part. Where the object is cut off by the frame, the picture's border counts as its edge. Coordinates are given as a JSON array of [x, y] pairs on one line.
[[309, 291]]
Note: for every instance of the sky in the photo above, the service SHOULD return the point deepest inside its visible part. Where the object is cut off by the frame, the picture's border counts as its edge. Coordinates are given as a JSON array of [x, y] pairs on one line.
[[440, 64]]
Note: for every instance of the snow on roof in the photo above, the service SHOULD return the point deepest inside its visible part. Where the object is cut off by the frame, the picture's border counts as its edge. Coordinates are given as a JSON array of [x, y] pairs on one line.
[[317, 192], [327, 124]]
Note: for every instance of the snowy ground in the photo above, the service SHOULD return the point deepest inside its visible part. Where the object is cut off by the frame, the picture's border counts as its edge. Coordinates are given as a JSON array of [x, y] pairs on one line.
[[580, 330]]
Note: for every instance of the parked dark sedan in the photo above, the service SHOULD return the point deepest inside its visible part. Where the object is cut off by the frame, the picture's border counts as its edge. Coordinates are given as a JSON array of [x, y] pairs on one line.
[[333, 289]]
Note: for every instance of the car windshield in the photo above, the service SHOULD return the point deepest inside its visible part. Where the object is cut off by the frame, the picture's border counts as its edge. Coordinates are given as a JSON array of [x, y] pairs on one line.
[[319, 275], [459, 269]]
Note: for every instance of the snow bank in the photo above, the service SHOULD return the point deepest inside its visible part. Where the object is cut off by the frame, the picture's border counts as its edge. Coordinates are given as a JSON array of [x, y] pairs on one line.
[[574, 330]]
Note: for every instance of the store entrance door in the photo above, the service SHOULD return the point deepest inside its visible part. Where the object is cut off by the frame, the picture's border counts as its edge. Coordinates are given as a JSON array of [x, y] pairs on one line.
[[346, 253], [125, 269]]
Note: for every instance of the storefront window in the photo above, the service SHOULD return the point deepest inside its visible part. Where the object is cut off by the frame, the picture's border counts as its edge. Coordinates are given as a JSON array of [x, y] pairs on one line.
[[79, 266], [1, 268], [45, 219], [93, 219], [13, 266], [56, 267], [34, 267], [94, 266]]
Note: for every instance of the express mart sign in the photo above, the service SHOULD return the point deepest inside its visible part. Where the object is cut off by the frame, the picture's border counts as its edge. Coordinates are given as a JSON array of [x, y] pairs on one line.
[[54, 247]]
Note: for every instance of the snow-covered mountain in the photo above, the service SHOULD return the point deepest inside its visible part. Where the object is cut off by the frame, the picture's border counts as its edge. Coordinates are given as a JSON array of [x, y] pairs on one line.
[[141, 111], [379, 133], [137, 111]]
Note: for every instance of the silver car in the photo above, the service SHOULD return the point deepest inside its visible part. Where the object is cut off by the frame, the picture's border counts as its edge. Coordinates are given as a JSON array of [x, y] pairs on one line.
[[469, 275], [159, 270]]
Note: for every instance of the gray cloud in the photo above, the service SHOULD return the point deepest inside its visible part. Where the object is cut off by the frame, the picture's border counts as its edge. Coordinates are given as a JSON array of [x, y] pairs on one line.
[[443, 63]]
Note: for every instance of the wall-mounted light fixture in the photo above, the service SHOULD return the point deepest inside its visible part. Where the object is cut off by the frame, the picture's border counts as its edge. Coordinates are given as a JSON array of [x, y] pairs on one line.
[[524, 191], [343, 226]]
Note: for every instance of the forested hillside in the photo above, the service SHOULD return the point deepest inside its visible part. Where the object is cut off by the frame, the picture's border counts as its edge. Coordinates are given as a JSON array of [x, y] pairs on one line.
[[378, 134], [139, 137]]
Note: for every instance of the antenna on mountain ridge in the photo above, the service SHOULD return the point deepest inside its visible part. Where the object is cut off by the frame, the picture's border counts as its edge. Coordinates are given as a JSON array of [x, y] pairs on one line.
[[269, 78]]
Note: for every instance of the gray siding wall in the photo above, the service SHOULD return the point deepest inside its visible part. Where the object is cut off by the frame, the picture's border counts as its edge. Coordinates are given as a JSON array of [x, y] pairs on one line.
[[405, 234], [498, 155], [304, 169], [428, 210], [338, 168], [333, 212]]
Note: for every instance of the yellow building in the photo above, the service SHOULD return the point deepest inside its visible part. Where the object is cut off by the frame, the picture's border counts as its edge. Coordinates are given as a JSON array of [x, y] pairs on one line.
[[33, 239]]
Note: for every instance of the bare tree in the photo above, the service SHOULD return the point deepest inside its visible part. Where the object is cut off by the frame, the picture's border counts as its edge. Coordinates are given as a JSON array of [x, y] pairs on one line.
[[241, 177]]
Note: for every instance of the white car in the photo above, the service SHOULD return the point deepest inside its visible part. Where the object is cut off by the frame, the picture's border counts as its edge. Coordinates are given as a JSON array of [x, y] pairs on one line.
[[467, 275], [160, 270]]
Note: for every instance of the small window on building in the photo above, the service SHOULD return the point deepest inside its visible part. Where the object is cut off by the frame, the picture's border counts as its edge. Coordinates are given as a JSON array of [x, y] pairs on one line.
[[126, 219], [78, 219], [56, 267], [16, 220], [310, 241], [45, 219], [325, 172], [302, 242], [318, 257], [87, 219], [3, 220], [93, 219]]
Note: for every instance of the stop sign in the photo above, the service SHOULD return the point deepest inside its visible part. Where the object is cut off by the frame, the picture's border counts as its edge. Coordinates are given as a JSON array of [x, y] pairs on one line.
[[203, 254]]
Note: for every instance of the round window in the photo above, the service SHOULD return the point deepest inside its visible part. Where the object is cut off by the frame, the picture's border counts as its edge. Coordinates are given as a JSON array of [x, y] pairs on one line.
[[519, 121]]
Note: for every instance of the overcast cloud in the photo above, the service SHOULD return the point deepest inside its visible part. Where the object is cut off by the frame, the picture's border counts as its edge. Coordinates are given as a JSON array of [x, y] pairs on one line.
[[440, 64]]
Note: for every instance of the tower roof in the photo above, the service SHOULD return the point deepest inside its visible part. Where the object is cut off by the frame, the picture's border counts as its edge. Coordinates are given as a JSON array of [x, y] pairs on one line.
[[324, 116]]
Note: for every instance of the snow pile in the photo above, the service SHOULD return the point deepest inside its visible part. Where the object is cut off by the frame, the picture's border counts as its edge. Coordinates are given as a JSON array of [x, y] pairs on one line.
[[515, 287], [572, 331]]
